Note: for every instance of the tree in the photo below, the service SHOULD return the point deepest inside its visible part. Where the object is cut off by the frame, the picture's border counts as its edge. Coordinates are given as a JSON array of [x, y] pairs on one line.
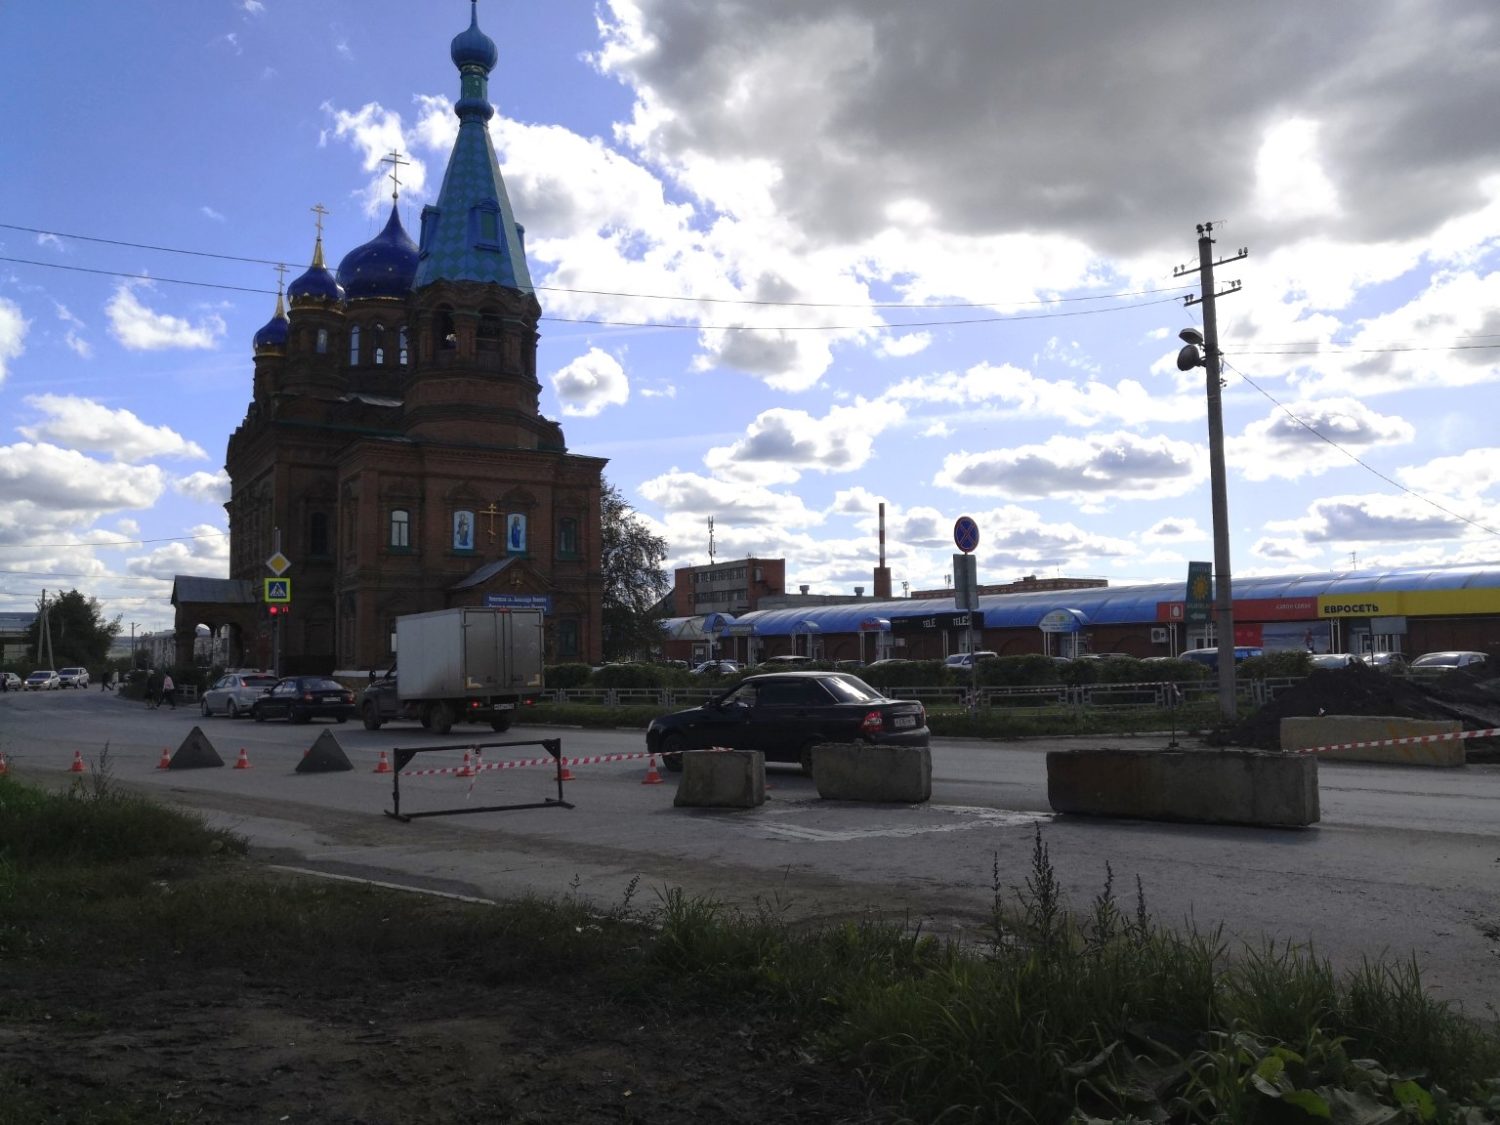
[[79, 632], [634, 581]]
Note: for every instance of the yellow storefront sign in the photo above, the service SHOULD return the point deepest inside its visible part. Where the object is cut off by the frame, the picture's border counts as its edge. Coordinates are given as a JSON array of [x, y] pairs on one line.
[[1411, 603]]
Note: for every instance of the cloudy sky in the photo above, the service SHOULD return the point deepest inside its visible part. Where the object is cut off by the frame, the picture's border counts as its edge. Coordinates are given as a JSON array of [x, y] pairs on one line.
[[795, 257]]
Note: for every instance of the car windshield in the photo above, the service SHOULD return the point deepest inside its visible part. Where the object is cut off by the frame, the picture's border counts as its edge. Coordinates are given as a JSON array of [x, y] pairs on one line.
[[851, 689], [322, 685]]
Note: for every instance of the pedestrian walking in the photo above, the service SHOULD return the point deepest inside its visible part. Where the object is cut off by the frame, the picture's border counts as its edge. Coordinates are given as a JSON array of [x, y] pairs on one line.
[[168, 691], [153, 699]]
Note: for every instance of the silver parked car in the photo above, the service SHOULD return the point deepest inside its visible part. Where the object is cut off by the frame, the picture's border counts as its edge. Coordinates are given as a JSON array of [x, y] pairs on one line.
[[1435, 661], [235, 693]]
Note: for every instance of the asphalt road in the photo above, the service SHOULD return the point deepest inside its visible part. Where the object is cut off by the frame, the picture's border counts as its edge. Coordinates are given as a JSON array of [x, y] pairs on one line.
[[1404, 861]]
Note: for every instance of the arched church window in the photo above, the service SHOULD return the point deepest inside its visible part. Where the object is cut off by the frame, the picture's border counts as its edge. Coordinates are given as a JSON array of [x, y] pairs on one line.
[[354, 344], [322, 344], [447, 337], [317, 534], [401, 345], [567, 537], [400, 527]]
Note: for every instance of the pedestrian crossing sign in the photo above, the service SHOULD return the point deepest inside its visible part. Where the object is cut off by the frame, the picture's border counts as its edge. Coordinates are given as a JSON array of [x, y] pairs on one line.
[[278, 591]]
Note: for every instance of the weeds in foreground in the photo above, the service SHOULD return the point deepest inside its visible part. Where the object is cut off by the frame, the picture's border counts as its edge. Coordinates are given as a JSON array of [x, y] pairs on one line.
[[1100, 1017], [1097, 1017]]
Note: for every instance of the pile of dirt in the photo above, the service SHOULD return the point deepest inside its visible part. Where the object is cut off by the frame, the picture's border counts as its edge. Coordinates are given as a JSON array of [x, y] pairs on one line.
[[1470, 695]]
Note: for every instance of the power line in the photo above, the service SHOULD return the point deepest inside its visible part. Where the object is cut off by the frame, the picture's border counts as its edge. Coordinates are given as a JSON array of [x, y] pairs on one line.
[[130, 542], [591, 292], [688, 326], [1310, 428]]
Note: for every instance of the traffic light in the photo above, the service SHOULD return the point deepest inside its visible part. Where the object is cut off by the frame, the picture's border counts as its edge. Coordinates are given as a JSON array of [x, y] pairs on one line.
[[278, 611]]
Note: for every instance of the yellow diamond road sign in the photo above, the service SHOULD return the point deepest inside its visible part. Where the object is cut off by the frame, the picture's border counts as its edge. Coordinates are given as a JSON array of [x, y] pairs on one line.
[[278, 564], [278, 590]]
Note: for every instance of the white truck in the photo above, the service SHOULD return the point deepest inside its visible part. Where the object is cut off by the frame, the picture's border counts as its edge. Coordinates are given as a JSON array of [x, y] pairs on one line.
[[467, 665]]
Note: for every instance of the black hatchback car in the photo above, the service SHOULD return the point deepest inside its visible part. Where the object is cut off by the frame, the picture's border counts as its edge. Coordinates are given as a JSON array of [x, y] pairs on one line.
[[784, 714], [304, 698]]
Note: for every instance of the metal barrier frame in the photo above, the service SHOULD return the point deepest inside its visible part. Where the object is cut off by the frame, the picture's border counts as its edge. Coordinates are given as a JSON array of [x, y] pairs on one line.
[[404, 754]]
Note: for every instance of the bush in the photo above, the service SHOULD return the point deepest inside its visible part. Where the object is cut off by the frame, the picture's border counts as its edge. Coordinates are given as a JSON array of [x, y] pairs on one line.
[[567, 675], [906, 673], [1030, 670], [1271, 665], [632, 676]]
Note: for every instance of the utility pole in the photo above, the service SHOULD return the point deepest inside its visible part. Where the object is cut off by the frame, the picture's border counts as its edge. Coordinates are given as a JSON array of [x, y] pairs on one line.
[[1224, 597]]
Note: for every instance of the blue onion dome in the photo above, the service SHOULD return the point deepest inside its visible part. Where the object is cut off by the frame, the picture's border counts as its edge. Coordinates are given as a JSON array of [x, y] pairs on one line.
[[382, 267], [317, 285], [271, 339], [474, 46]]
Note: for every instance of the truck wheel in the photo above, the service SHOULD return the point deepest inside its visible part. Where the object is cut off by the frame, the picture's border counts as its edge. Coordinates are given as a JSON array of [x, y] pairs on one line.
[[371, 717], [500, 722], [440, 718]]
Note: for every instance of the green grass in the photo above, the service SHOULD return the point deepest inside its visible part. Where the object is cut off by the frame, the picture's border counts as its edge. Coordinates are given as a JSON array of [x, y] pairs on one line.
[[1058, 1015]]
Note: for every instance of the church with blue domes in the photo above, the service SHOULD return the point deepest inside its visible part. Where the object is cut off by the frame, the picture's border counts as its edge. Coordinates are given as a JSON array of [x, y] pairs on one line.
[[394, 452]]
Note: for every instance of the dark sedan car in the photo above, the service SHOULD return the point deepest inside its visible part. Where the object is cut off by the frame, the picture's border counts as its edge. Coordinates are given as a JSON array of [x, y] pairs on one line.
[[304, 698], [784, 714]]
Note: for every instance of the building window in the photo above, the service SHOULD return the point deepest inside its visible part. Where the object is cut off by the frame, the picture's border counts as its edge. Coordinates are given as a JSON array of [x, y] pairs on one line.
[[379, 342], [322, 344], [567, 639], [484, 224], [317, 534], [400, 527], [354, 345], [401, 345], [567, 537]]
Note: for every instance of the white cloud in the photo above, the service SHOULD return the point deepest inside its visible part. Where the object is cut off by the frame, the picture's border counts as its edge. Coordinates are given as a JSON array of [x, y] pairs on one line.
[[1084, 470], [781, 444], [205, 553], [209, 213], [139, 328], [1308, 438], [591, 382], [207, 488], [13, 327], [904, 345], [45, 478], [85, 424], [696, 497], [1290, 180], [254, 7]]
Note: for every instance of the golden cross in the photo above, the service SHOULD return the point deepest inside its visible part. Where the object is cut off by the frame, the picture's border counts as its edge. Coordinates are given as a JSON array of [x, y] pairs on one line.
[[492, 512], [321, 211], [280, 276], [395, 161]]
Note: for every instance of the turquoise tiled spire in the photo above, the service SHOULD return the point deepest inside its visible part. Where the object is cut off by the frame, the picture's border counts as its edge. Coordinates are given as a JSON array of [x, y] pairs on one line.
[[470, 234]]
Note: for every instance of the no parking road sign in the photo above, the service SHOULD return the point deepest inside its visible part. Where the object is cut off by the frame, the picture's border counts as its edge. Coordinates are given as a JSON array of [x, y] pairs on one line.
[[965, 534]]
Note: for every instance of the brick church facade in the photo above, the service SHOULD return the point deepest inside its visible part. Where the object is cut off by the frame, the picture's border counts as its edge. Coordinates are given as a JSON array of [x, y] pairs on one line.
[[394, 450]]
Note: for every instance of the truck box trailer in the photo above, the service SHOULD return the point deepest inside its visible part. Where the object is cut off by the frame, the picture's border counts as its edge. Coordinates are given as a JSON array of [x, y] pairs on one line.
[[472, 664]]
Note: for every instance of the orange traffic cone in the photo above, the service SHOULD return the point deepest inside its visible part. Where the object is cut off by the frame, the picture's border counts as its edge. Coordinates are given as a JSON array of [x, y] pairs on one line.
[[563, 772], [77, 766], [468, 770], [652, 777], [384, 765], [244, 760], [166, 759]]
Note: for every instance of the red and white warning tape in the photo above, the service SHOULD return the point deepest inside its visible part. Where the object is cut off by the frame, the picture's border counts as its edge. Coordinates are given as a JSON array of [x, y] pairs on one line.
[[475, 766], [1409, 740]]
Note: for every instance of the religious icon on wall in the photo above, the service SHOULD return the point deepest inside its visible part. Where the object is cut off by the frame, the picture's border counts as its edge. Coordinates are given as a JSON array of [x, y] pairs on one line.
[[463, 531], [515, 540]]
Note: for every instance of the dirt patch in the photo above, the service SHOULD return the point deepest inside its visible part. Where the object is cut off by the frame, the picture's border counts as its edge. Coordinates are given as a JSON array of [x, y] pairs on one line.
[[186, 1043], [1472, 697]]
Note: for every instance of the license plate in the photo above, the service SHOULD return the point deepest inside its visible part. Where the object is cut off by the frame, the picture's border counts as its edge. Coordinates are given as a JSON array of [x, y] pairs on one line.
[[906, 721]]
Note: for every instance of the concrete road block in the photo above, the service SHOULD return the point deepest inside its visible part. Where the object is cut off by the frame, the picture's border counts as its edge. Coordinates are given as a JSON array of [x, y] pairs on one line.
[[722, 779], [856, 771], [1303, 733], [1208, 786]]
